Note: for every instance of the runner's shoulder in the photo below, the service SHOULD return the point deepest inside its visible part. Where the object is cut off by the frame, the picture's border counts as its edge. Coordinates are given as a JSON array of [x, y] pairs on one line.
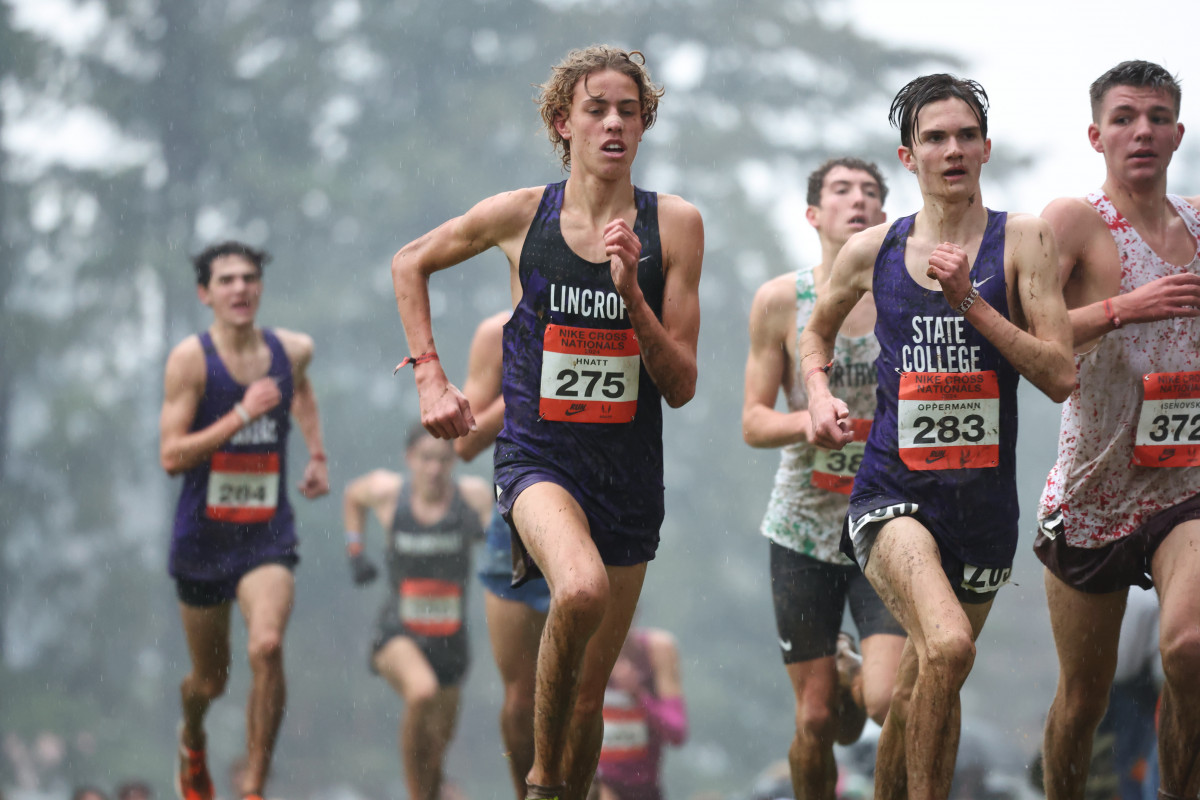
[[298, 346], [185, 362]]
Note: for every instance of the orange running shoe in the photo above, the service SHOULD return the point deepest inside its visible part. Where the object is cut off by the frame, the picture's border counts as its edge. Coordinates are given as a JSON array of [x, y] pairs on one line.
[[192, 781]]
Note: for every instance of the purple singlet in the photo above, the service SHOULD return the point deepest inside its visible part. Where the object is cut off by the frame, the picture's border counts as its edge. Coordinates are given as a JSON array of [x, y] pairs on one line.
[[945, 426], [233, 512]]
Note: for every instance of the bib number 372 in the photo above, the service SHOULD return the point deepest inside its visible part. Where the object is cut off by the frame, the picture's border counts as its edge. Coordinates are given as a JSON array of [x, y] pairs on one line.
[[589, 375], [1168, 431]]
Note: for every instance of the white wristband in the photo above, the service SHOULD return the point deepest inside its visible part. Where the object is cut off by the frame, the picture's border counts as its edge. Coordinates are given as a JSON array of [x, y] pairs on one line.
[[241, 411], [968, 301]]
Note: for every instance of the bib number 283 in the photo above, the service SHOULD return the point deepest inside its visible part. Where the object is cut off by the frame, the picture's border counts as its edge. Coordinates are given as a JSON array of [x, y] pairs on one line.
[[589, 375]]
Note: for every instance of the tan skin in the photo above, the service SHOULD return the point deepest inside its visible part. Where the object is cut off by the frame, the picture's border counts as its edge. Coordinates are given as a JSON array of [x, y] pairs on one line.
[[850, 203], [919, 742], [591, 603], [431, 710], [515, 629], [1137, 132], [264, 594]]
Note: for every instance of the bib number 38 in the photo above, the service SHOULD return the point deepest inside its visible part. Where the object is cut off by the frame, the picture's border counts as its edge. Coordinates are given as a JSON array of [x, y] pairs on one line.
[[589, 375]]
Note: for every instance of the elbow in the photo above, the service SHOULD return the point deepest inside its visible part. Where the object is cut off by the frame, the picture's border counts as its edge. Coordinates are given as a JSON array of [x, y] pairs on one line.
[[401, 265], [1060, 386], [683, 391], [169, 464], [465, 448]]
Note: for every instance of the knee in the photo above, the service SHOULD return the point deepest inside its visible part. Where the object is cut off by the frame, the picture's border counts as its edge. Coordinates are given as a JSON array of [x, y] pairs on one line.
[[877, 701], [265, 650], [815, 723], [1181, 657], [582, 600], [518, 702], [950, 656], [210, 687], [420, 695], [590, 701], [1080, 704]]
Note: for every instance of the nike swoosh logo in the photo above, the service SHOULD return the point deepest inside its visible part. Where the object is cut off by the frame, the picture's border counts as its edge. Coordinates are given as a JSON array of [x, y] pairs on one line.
[[977, 284], [936, 455], [570, 412], [786, 644], [644, 258]]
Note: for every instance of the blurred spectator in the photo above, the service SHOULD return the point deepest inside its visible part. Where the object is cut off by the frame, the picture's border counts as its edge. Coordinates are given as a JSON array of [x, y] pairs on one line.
[[135, 790], [88, 793], [1134, 693]]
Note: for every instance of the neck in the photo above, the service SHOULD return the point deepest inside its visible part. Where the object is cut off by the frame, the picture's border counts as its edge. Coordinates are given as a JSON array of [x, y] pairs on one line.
[[234, 337], [829, 252], [956, 221], [433, 493], [1141, 204], [598, 199]]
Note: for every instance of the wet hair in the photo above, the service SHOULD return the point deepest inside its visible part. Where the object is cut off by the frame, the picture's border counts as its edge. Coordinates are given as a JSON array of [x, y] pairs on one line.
[[555, 95], [816, 179], [927, 89], [1139, 74], [203, 261]]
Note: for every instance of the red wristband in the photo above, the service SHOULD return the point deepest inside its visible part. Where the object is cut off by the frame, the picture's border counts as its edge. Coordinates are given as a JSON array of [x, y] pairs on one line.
[[1111, 313], [824, 369], [416, 361], [318, 457]]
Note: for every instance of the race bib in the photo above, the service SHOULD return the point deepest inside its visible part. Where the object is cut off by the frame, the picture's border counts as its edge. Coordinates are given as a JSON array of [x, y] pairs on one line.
[[834, 470], [984, 579], [626, 732], [589, 375], [949, 420], [1168, 431], [242, 487], [431, 607]]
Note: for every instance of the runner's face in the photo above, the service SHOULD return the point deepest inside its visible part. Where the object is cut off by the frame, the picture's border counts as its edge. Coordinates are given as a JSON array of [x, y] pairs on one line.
[[430, 465], [1137, 132], [850, 202], [604, 126], [233, 291], [949, 149]]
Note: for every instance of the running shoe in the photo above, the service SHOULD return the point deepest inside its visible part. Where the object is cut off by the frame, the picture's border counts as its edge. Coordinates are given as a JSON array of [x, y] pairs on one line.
[[192, 781]]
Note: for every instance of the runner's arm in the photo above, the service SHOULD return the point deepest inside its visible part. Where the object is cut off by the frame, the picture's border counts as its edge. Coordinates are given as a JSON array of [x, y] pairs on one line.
[[482, 387], [666, 711], [499, 220], [315, 481], [183, 387], [668, 347], [480, 496], [377, 492], [1097, 309], [849, 280], [1042, 353], [772, 320]]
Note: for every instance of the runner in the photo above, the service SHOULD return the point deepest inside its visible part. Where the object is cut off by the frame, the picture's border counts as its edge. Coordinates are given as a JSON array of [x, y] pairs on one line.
[[644, 709], [605, 280], [972, 303], [517, 616], [811, 580], [420, 646], [224, 427], [1121, 505]]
